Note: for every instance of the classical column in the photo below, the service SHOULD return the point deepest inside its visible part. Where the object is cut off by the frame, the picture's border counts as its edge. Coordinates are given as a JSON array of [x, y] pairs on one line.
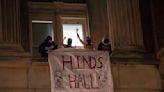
[[125, 25], [10, 38], [0, 21]]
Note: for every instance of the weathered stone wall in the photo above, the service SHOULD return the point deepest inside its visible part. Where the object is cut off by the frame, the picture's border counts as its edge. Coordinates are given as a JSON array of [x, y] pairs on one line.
[[22, 75], [161, 66]]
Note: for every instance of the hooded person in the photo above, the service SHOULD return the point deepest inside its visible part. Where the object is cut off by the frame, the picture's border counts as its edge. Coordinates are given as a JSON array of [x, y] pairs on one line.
[[105, 45], [69, 43], [47, 45]]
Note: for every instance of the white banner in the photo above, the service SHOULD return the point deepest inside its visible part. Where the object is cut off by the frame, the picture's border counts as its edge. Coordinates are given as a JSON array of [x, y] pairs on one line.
[[80, 71]]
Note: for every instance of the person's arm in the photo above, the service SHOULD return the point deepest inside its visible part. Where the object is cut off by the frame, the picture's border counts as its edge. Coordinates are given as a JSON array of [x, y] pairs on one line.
[[41, 48], [63, 45], [80, 39]]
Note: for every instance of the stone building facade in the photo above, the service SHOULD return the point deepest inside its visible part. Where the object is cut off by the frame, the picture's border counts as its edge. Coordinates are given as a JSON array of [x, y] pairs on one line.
[[134, 27]]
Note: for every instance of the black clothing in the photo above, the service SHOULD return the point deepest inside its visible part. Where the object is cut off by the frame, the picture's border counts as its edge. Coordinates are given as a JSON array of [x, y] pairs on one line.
[[45, 46], [69, 43], [67, 46], [105, 47]]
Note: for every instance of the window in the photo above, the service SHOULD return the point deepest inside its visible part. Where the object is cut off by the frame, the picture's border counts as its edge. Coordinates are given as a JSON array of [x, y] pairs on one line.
[[58, 25], [40, 30], [69, 31]]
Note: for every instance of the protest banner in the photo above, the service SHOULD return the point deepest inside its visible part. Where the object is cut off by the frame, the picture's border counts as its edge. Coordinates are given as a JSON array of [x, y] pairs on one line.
[[80, 71]]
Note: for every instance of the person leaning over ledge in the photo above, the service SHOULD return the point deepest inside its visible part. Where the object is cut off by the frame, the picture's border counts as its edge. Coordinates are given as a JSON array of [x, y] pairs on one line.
[[69, 43], [47, 45], [88, 44], [105, 45]]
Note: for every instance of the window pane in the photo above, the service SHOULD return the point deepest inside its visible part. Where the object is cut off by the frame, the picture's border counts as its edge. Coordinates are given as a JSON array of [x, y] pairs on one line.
[[69, 31], [40, 30]]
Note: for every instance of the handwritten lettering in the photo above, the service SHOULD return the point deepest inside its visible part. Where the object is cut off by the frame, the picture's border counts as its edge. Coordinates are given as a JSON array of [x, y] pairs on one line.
[[82, 81], [82, 62]]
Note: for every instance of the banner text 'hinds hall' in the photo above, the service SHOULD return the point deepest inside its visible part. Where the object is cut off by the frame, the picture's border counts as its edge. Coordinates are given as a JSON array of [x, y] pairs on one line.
[[80, 71]]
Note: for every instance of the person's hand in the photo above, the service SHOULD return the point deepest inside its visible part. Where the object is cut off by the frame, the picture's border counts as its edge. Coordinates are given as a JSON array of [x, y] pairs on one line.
[[77, 30], [64, 38]]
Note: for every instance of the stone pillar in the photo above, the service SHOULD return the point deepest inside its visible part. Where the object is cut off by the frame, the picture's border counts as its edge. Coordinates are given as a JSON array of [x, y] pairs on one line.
[[10, 37], [160, 56], [125, 24], [0, 21]]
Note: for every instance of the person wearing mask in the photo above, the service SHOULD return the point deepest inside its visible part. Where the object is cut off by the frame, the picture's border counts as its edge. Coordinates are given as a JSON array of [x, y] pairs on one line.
[[88, 44], [105, 45], [47, 45], [69, 43]]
